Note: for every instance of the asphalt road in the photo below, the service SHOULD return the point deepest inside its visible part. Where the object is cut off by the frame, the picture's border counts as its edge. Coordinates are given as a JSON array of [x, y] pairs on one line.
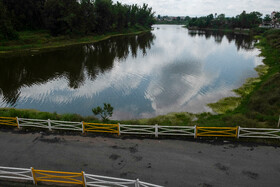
[[163, 162]]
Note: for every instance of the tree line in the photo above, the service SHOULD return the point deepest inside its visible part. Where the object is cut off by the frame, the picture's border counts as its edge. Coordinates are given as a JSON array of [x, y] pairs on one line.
[[63, 17], [243, 20]]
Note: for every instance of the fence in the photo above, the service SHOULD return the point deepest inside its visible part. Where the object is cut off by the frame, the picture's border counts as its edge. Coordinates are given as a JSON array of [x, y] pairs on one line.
[[97, 127], [151, 130], [82, 179], [217, 131]]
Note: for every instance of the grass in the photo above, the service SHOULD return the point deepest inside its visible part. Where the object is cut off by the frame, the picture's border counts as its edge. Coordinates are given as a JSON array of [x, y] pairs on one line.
[[42, 40], [35, 114], [171, 119], [230, 103]]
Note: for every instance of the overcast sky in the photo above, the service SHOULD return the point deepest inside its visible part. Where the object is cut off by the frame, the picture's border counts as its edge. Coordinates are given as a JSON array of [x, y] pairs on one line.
[[205, 7]]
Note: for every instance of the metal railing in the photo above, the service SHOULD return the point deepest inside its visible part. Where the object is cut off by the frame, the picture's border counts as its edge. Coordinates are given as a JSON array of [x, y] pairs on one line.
[[82, 179], [259, 133], [12, 121], [98, 127], [217, 131], [97, 180], [57, 177], [151, 130], [15, 173]]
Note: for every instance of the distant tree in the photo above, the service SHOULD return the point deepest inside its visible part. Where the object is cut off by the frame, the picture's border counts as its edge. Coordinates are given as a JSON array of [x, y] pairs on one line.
[[277, 15], [88, 15], [6, 28], [104, 15], [105, 112], [26, 14], [63, 17], [267, 18]]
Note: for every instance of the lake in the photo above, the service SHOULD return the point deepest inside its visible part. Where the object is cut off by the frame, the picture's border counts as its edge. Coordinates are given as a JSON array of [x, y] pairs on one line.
[[169, 69]]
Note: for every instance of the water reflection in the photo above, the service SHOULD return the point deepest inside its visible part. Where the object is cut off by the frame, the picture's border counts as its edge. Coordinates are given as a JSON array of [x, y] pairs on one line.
[[71, 63], [167, 70], [241, 41]]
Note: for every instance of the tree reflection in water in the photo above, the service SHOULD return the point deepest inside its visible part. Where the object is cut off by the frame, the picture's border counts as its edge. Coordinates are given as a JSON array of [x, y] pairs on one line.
[[71, 63], [241, 41]]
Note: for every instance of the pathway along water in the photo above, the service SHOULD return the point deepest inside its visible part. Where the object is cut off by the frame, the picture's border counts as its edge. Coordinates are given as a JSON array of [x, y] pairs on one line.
[[167, 70]]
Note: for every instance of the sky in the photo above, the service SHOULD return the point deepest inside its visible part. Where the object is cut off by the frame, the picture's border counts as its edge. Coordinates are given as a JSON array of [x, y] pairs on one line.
[[205, 7]]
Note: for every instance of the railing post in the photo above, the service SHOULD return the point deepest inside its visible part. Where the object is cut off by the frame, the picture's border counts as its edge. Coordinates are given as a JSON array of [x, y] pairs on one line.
[[119, 129], [195, 132], [137, 184], [156, 130], [238, 132], [49, 125], [18, 126], [83, 127], [33, 176], [84, 179]]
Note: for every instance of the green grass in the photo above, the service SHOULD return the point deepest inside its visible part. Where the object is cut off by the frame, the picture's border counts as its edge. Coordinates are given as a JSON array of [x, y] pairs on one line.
[[171, 119], [35, 114]]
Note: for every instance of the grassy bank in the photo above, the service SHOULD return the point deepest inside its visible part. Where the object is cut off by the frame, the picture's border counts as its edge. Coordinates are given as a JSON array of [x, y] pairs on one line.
[[257, 106], [35, 41]]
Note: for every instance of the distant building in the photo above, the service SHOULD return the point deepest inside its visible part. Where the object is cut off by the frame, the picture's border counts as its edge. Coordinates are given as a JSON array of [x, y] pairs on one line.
[[272, 15]]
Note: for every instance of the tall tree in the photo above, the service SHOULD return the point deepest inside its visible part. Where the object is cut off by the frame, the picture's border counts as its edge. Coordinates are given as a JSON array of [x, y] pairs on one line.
[[63, 17], [6, 28], [104, 15]]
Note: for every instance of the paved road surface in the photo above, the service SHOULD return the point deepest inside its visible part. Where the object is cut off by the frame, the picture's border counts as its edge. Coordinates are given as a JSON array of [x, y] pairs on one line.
[[165, 162]]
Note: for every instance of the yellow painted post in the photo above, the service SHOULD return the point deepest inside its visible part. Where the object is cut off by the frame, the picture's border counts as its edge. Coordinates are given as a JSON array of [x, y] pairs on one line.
[[83, 180], [33, 175]]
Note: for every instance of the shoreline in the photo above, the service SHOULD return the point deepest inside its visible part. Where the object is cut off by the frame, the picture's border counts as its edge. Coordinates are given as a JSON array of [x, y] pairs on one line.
[[65, 42]]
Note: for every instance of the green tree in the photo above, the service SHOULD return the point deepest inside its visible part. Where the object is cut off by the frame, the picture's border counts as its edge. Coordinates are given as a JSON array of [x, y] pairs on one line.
[[63, 17], [104, 15], [88, 16], [26, 14], [267, 18], [105, 112], [6, 28]]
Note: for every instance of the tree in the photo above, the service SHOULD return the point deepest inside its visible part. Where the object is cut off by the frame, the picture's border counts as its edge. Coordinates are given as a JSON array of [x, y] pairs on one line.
[[63, 17], [105, 112], [104, 15], [6, 28], [26, 14], [89, 17], [267, 18]]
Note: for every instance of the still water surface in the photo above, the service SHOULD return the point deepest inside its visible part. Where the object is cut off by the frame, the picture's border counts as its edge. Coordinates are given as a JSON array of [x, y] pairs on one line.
[[167, 70]]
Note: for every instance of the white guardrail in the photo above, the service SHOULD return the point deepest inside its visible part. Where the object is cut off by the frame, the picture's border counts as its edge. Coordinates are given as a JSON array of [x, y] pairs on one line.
[[153, 130], [259, 133], [24, 174]]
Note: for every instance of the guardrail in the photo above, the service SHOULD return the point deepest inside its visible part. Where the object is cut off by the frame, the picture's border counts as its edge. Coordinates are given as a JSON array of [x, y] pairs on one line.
[[217, 131], [152, 130], [82, 179], [97, 127]]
